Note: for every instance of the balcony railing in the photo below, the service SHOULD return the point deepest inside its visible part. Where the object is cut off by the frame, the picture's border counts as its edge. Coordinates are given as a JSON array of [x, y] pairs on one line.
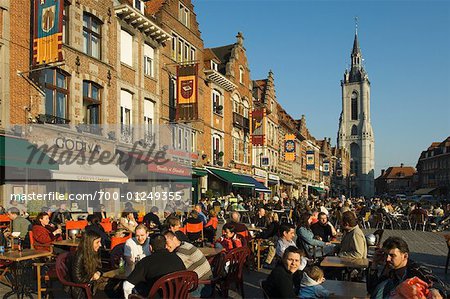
[[52, 119], [126, 133], [241, 121], [92, 129]]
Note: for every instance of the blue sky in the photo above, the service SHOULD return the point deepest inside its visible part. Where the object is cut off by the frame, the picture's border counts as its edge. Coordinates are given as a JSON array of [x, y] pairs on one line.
[[307, 44]]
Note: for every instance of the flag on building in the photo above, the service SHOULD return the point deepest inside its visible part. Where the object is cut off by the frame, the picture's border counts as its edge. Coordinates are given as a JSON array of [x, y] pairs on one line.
[[187, 87], [289, 147], [47, 33]]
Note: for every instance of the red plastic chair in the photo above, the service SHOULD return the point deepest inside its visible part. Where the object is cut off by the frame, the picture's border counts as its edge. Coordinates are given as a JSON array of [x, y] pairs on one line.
[[106, 220], [107, 226], [217, 263], [117, 240], [63, 276], [5, 221], [182, 229], [234, 263], [174, 285], [79, 224], [192, 230]]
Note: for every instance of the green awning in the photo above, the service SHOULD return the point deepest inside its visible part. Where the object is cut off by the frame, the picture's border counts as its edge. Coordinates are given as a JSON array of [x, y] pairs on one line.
[[318, 189], [424, 191], [230, 177], [17, 152], [199, 172]]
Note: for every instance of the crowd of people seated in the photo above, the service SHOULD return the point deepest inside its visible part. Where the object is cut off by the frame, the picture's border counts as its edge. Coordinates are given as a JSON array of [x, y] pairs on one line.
[[295, 232]]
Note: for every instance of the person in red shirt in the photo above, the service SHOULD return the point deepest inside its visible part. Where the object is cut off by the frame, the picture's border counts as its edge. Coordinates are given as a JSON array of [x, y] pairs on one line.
[[42, 235], [230, 239], [211, 226]]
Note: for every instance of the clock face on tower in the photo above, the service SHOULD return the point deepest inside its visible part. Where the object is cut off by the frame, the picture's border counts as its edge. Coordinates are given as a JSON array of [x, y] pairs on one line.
[[354, 95]]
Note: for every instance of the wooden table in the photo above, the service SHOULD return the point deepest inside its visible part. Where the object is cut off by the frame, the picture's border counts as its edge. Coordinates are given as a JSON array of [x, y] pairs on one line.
[[342, 262], [209, 251], [346, 289], [22, 282], [117, 274], [70, 243]]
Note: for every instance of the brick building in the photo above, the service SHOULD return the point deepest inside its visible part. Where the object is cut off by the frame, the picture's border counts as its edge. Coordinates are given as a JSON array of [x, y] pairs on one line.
[[433, 168], [396, 180]]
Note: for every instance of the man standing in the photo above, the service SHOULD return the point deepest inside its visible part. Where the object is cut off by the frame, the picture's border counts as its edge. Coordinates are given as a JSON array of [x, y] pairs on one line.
[[137, 247], [397, 267], [353, 243], [323, 229], [152, 267]]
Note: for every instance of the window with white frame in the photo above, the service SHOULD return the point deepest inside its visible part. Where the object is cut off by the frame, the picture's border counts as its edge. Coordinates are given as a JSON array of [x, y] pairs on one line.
[[139, 5], [214, 66], [193, 141], [126, 47], [126, 104], [183, 15], [149, 56], [180, 138], [235, 148], [241, 74], [246, 150], [187, 138], [217, 148], [236, 103], [246, 108], [217, 101], [182, 50], [149, 115]]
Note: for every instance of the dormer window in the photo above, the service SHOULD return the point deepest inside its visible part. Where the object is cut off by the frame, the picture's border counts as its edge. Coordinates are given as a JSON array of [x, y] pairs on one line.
[[214, 66], [183, 15], [139, 5]]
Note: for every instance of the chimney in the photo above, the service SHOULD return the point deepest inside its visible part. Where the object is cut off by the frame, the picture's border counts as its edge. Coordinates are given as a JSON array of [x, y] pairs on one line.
[[382, 172], [401, 165]]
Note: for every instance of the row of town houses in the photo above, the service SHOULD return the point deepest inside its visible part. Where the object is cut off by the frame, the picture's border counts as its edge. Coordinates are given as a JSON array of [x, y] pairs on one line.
[[120, 64]]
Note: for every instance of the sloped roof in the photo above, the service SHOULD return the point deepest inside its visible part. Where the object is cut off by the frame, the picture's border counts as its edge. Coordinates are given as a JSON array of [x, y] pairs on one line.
[[399, 172], [224, 54], [208, 54]]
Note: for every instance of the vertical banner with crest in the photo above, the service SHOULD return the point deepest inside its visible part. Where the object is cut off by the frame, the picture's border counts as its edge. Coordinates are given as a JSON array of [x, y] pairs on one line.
[[289, 147], [326, 168], [257, 126], [187, 86], [310, 160], [47, 33]]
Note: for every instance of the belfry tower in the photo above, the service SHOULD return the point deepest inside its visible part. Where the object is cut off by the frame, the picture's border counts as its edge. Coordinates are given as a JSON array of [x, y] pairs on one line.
[[355, 129]]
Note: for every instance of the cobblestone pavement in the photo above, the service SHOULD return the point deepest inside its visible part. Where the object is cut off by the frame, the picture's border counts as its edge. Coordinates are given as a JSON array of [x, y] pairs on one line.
[[426, 247]]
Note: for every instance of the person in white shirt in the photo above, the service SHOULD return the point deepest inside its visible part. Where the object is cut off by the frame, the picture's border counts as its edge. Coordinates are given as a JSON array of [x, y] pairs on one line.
[[137, 247]]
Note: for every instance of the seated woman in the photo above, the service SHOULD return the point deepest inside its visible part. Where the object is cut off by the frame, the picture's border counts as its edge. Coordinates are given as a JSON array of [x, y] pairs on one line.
[[127, 222], [229, 239], [85, 264], [284, 280], [305, 238], [95, 226], [193, 219], [270, 236], [43, 234], [173, 224], [211, 226]]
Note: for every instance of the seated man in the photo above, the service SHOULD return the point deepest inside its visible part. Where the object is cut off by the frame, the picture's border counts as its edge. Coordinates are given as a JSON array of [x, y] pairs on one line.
[[287, 235], [235, 219], [260, 218], [201, 215], [173, 224], [193, 260], [353, 243], [61, 215], [19, 225], [397, 267], [137, 247], [323, 230], [153, 267]]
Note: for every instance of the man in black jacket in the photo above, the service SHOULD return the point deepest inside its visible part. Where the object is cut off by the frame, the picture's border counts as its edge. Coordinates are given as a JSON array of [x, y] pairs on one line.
[[153, 267], [397, 267], [284, 280]]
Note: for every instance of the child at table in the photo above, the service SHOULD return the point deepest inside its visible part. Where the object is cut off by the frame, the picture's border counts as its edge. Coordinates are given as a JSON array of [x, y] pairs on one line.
[[310, 286]]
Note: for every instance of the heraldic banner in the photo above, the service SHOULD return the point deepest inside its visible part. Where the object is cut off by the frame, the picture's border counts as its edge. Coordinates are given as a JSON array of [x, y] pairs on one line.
[[187, 87], [47, 33], [289, 147], [310, 160], [257, 128]]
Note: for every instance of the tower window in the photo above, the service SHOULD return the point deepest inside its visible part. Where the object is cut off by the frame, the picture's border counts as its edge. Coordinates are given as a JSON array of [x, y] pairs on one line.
[[354, 130], [354, 106]]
